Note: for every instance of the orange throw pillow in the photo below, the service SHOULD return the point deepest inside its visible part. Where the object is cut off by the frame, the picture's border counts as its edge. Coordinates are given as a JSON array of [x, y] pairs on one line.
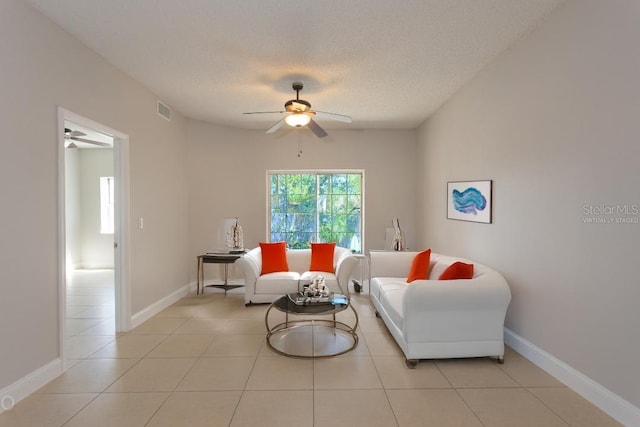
[[457, 270], [274, 257], [420, 266], [322, 257]]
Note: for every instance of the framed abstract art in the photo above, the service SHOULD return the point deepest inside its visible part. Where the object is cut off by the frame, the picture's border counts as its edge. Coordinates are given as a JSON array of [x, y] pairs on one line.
[[469, 201]]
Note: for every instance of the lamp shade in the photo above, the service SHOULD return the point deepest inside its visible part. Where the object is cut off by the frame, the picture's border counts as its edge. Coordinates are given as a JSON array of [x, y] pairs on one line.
[[297, 120]]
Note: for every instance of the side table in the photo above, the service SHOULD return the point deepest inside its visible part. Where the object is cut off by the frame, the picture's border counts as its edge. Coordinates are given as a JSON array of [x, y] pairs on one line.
[[217, 258]]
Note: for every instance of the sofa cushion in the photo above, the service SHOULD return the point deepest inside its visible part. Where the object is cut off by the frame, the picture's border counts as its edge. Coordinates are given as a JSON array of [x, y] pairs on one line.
[[274, 257], [330, 279], [436, 269], [457, 270], [298, 259], [380, 285], [322, 257], [391, 301], [439, 263], [281, 282], [420, 266]]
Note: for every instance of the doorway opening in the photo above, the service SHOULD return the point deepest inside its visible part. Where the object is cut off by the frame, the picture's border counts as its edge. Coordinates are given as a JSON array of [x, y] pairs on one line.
[[93, 234]]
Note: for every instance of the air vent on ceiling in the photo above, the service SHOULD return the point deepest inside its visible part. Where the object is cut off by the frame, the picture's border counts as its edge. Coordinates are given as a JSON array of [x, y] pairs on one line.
[[164, 111]]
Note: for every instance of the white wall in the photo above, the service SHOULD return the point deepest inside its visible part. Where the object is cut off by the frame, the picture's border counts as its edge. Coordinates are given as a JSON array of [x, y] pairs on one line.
[[227, 177], [86, 246], [96, 248], [554, 122], [43, 68], [73, 214]]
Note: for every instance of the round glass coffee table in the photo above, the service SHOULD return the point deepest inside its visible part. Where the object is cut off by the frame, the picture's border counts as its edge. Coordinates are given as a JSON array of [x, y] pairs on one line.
[[313, 331]]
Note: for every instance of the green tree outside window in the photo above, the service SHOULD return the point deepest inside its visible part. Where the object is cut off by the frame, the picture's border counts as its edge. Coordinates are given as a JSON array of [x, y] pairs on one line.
[[312, 206]]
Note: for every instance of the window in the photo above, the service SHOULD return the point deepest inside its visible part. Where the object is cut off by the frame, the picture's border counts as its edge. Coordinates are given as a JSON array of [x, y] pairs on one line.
[[106, 204], [316, 206]]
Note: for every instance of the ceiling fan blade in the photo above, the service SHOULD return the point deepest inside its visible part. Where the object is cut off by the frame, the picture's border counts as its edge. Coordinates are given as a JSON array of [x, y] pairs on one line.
[[70, 133], [333, 116], [275, 127], [316, 129], [264, 112], [89, 141]]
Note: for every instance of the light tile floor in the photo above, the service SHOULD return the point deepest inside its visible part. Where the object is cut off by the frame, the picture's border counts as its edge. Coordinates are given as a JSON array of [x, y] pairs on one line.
[[90, 313], [204, 362]]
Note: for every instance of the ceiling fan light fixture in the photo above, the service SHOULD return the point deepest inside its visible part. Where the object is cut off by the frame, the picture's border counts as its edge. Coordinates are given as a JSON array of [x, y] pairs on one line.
[[297, 120], [299, 114]]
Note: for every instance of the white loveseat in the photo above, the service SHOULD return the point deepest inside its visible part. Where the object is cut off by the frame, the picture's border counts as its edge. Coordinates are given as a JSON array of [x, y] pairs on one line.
[[268, 287], [435, 319]]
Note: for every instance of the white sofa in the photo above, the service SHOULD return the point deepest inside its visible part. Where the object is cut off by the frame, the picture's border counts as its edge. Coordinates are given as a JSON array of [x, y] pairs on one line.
[[435, 319], [268, 287]]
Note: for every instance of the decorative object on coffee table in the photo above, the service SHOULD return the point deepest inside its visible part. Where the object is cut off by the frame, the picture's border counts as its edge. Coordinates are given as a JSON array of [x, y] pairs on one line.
[[317, 287]]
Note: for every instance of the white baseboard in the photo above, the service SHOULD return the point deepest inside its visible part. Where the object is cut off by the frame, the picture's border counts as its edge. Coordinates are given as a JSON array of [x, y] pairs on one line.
[[28, 384], [155, 308], [618, 408]]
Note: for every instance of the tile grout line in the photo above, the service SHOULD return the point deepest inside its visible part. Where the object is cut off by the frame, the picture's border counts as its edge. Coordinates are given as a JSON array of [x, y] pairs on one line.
[[88, 357], [501, 367], [545, 405], [200, 357], [170, 393], [80, 410], [458, 393], [384, 389], [244, 388]]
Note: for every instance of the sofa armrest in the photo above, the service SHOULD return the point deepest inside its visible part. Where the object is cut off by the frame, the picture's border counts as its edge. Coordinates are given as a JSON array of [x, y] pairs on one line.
[[344, 268], [459, 305], [250, 266]]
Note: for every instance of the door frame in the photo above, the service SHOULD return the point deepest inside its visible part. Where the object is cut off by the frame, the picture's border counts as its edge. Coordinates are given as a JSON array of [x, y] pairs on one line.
[[121, 234]]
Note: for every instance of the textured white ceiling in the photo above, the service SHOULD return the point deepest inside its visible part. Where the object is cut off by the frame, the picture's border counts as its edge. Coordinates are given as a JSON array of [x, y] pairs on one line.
[[387, 64]]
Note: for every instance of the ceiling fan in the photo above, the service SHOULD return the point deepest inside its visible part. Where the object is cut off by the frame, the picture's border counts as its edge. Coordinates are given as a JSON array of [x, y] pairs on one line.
[[76, 135], [300, 114]]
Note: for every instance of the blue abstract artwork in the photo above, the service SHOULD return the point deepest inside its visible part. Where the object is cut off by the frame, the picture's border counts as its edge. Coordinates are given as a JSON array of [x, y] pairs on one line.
[[469, 201]]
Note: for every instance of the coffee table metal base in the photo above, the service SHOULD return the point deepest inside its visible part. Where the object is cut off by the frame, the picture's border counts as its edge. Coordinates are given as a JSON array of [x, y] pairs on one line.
[[312, 338]]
